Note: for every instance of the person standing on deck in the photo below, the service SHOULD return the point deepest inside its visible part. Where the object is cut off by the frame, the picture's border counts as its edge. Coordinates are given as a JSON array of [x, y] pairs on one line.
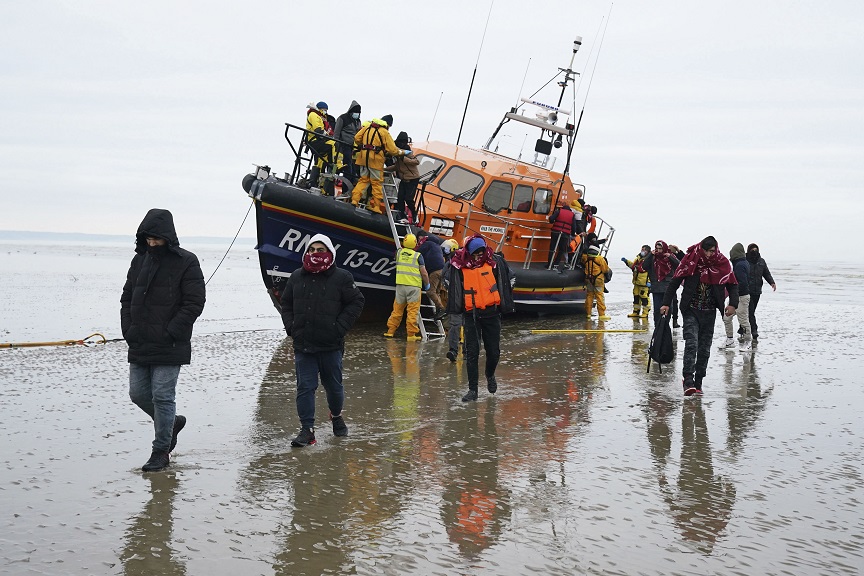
[[324, 149], [406, 168], [410, 277], [320, 303], [758, 271], [346, 128], [707, 277], [563, 227], [163, 295], [373, 141]]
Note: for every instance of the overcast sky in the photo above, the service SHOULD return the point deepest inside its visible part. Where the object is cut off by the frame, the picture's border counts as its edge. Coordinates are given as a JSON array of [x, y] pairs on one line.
[[741, 119]]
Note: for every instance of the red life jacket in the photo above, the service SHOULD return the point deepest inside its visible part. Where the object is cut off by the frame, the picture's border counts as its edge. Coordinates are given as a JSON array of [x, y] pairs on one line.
[[480, 287], [564, 221]]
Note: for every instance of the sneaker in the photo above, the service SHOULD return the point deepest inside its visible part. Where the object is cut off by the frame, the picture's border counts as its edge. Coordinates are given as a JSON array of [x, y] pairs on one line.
[[179, 424], [604, 317], [689, 385], [746, 346], [440, 314], [388, 334], [158, 461], [304, 438], [451, 355], [730, 343], [470, 395], [491, 384], [339, 427], [414, 338]]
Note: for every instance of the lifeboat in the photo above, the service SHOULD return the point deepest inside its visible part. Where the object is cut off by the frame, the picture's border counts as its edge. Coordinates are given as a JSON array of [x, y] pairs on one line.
[[462, 191]]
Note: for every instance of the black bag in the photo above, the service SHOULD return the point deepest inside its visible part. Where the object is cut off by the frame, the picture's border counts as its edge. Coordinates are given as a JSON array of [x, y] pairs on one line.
[[660, 350]]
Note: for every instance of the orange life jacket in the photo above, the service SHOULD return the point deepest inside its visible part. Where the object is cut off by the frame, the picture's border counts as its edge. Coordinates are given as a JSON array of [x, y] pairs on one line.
[[480, 287]]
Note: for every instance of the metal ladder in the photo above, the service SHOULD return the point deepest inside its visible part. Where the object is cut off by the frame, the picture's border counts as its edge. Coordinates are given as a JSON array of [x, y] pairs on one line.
[[426, 315]]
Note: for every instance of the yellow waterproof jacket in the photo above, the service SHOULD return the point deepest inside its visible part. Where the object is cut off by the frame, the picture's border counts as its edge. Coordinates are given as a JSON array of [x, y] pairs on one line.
[[314, 122], [373, 141], [639, 278], [595, 268]]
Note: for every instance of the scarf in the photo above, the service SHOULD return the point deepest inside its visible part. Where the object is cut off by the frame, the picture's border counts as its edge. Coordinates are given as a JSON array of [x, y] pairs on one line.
[[316, 262], [662, 264], [463, 259], [714, 269]]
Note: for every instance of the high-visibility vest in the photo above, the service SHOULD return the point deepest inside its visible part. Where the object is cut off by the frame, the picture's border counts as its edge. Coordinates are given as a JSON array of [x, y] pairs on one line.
[[481, 288], [408, 268]]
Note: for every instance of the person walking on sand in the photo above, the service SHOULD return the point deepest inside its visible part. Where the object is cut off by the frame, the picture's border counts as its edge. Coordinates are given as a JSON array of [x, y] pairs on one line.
[[707, 277], [758, 271], [742, 274], [163, 295], [411, 275], [320, 303], [454, 331], [479, 285], [660, 265]]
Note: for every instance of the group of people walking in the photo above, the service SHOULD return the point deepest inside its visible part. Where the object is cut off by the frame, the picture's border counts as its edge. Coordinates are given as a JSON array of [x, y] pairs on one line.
[[711, 282]]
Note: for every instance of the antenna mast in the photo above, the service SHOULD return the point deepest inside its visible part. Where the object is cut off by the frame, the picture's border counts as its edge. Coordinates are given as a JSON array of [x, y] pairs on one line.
[[471, 88]]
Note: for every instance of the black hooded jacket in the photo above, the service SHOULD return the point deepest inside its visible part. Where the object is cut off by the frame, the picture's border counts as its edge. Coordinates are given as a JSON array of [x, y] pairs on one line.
[[163, 295], [346, 126]]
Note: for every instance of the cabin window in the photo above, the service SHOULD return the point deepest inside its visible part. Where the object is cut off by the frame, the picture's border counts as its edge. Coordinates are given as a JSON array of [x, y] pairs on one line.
[[497, 196], [428, 164], [542, 201], [461, 183], [522, 198]]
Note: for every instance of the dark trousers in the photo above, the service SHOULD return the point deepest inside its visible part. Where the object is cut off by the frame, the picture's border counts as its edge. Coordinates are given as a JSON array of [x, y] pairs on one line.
[[658, 302], [350, 170], [754, 301], [309, 366], [558, 246], [489, 329], [698, 335], [405, 197]]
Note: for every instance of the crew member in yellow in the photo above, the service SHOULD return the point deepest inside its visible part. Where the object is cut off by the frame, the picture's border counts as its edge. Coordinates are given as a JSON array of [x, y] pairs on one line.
[[324, 148], [373, 141], [411, 276], [641, 303], [596, 268]]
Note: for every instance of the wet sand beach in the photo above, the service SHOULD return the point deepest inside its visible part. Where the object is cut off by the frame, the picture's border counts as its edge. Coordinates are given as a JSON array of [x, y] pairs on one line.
[[581, 464]]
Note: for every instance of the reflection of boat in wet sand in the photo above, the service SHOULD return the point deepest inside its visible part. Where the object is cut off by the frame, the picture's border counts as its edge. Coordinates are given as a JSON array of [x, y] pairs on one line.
[[462, 191]]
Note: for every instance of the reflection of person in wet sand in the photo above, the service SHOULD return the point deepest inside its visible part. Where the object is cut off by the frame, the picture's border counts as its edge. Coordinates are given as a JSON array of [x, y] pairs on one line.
[[475, 508], [703, 504], [148, 538]]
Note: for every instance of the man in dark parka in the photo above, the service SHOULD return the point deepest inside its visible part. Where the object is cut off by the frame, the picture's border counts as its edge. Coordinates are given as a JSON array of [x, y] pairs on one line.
[[163, 296]]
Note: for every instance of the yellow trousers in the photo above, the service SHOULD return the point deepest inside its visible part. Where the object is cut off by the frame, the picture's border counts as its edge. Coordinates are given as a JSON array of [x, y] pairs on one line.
[[593, 293], [405, 300], [375, 179]]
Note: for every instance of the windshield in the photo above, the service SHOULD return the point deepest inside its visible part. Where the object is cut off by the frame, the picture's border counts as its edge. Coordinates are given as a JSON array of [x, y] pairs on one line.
[[461, 182], [428, 164]]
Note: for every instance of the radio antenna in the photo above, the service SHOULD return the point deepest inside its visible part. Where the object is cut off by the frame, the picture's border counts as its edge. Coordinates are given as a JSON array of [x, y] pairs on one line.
[[434, 116], [470, 88]]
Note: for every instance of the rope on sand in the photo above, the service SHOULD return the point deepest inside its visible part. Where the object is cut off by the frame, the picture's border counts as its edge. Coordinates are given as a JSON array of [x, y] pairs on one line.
[[581, 331], [88, 341]]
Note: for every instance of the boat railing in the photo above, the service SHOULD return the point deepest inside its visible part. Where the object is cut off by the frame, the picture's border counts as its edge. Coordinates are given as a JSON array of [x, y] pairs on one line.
[[303, 153]]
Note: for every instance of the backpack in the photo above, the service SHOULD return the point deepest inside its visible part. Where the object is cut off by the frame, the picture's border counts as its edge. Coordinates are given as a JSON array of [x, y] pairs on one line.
[[660, 350]]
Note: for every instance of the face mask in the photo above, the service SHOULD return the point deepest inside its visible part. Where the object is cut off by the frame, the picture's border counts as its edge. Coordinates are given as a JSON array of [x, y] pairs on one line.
[[643, 253], [316, 262], [355, 115], [157, 250]]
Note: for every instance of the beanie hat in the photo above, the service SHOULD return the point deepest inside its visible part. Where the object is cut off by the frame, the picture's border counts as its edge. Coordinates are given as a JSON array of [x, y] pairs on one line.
[[324, 240], [322, 106], [388, 118], [475, 244], [402, 137]]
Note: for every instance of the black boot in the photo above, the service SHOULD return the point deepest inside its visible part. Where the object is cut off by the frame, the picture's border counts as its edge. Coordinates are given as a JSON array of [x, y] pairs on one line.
[[158, 461], [470, 395], [491, 384], [314, 177], [179, 424]]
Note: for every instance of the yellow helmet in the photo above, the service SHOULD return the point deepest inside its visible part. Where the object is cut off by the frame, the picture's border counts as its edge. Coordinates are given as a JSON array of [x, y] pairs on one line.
[[450, 245], [410, 241]]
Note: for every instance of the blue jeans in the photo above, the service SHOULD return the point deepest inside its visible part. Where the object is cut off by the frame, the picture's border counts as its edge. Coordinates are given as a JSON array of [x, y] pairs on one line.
[[309, 366], [152, 388], [698, 335]]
